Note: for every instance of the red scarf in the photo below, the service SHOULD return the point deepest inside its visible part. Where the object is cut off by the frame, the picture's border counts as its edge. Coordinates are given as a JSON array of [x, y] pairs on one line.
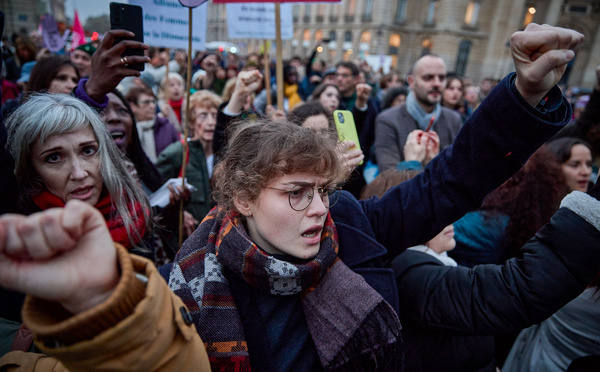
[[46, 200], [177, 108]]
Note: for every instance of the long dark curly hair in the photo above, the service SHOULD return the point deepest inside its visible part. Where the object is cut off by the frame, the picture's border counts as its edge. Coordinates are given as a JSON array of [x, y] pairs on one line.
[[529, 198]]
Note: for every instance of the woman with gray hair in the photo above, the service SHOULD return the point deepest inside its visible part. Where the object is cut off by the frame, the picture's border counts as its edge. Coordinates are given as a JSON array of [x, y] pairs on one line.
[[63, 151]]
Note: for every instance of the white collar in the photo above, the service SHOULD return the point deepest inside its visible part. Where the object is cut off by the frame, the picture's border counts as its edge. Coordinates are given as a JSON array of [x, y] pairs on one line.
[[442, 257]]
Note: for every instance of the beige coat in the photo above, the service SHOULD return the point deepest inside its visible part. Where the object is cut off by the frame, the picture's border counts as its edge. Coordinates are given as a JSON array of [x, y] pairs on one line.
[[141, 327]]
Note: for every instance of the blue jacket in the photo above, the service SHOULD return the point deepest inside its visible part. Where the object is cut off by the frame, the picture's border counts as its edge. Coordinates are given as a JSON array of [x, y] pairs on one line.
[[493, 144]]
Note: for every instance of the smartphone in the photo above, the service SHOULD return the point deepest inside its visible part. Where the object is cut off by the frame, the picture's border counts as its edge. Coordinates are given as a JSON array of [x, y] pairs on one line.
[[130, 18], [346, 129]]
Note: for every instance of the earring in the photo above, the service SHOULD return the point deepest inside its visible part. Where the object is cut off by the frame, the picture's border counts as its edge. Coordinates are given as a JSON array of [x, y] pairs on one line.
[[249, 214]]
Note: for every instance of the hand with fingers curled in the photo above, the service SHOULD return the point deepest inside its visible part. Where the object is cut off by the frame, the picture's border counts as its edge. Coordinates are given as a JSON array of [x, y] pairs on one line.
[[541, 54], [61, 254], [414, 148], [189, 223], [350, 155], [363, 91], [109, 66], [274, 114], [247, 82], [432, 145], [177, 194], [421, 146]]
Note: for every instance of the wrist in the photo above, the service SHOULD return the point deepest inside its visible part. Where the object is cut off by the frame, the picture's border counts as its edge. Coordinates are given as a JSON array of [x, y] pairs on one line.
[[236, 104], [532, 99], [93, 297], [413, 157], [54, 326], [92, 91]]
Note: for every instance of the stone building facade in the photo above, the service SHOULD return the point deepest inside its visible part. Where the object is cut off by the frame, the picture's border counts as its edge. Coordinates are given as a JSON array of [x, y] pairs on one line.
[[472, 36], [25, 14]]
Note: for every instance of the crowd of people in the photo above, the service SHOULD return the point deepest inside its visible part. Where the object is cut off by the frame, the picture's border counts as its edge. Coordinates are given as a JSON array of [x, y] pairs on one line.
[[464, 222]]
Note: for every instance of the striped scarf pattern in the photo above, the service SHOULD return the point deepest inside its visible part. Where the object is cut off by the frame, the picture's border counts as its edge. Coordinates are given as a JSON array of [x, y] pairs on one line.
[[360, 330]]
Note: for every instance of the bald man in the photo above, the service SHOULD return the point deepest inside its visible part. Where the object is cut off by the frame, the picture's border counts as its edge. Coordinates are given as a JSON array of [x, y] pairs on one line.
[[423, 105]]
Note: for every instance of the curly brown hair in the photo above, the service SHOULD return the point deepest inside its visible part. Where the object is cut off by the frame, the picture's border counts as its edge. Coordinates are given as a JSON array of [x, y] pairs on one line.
[[262, 150], [529, 198]]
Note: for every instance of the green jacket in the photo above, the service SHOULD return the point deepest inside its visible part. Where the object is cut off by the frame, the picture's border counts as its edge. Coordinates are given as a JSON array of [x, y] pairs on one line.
[[169, 165]]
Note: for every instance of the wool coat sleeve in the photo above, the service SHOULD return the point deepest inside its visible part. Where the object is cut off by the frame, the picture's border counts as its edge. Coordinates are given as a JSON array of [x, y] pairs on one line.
[[169, 161], [554, 267], [141, 327], [493, 144], [387, 139]]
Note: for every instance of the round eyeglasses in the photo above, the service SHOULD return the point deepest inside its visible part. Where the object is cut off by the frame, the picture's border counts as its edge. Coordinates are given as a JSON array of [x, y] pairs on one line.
[[300, 196]]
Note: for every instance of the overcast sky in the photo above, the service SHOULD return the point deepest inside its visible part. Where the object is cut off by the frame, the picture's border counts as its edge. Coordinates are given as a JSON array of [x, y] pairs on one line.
[[86, 8]]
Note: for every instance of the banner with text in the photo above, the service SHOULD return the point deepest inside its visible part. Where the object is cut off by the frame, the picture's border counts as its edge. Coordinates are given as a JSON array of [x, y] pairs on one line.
[[166, 24], [257, 21]]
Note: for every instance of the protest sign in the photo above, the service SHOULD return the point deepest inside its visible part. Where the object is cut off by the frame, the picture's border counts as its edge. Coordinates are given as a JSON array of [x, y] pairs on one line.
[[257, 21], [166, 24], [52, 39]]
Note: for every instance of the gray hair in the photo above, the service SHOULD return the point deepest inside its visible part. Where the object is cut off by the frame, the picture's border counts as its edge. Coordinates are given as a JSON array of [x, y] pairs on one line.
[[44, 115]]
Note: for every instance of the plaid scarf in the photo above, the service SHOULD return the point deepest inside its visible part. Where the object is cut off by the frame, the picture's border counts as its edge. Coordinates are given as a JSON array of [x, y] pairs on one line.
[[352, 326]]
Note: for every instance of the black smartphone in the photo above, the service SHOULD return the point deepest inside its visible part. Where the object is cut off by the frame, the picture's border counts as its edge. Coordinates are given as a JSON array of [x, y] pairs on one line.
[[130, 18]]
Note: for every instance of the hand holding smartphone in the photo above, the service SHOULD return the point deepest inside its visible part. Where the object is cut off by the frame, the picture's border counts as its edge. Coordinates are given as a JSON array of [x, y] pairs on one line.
[[130, 18], [346, 128]]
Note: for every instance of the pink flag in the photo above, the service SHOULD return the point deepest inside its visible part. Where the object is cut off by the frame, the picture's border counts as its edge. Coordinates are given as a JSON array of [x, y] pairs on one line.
[[78, 36]]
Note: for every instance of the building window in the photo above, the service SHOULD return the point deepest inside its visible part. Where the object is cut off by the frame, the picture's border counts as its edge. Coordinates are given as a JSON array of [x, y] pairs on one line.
[[351, 9], [306, 39], [401, 11], [433, 4], [296, 12], [529, 15], [332, 36], [368, 10], [335, 12], [472, 14], [320, 13], [306, 35], [348, 36], [365, 37], [464, 49], [426, 46], [394, 44], [307, 10]]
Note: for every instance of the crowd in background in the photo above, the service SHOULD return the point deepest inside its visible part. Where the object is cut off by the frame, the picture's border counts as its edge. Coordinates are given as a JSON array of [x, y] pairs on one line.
[[404, 120]]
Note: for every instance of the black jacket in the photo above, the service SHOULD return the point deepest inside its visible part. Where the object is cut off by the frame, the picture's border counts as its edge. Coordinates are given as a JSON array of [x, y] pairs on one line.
[[449, 314]]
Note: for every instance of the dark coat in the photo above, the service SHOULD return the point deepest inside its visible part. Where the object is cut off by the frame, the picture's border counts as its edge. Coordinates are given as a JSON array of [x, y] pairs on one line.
[[493, 144], [450, 314]]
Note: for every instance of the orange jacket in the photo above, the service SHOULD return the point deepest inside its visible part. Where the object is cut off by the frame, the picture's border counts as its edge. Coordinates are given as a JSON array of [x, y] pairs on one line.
[[141, 327]]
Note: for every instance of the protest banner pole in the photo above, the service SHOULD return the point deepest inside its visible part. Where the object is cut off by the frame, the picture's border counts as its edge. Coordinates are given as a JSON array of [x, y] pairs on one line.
[[267, 63], [167, 65], [187, 121], [279, 65]]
